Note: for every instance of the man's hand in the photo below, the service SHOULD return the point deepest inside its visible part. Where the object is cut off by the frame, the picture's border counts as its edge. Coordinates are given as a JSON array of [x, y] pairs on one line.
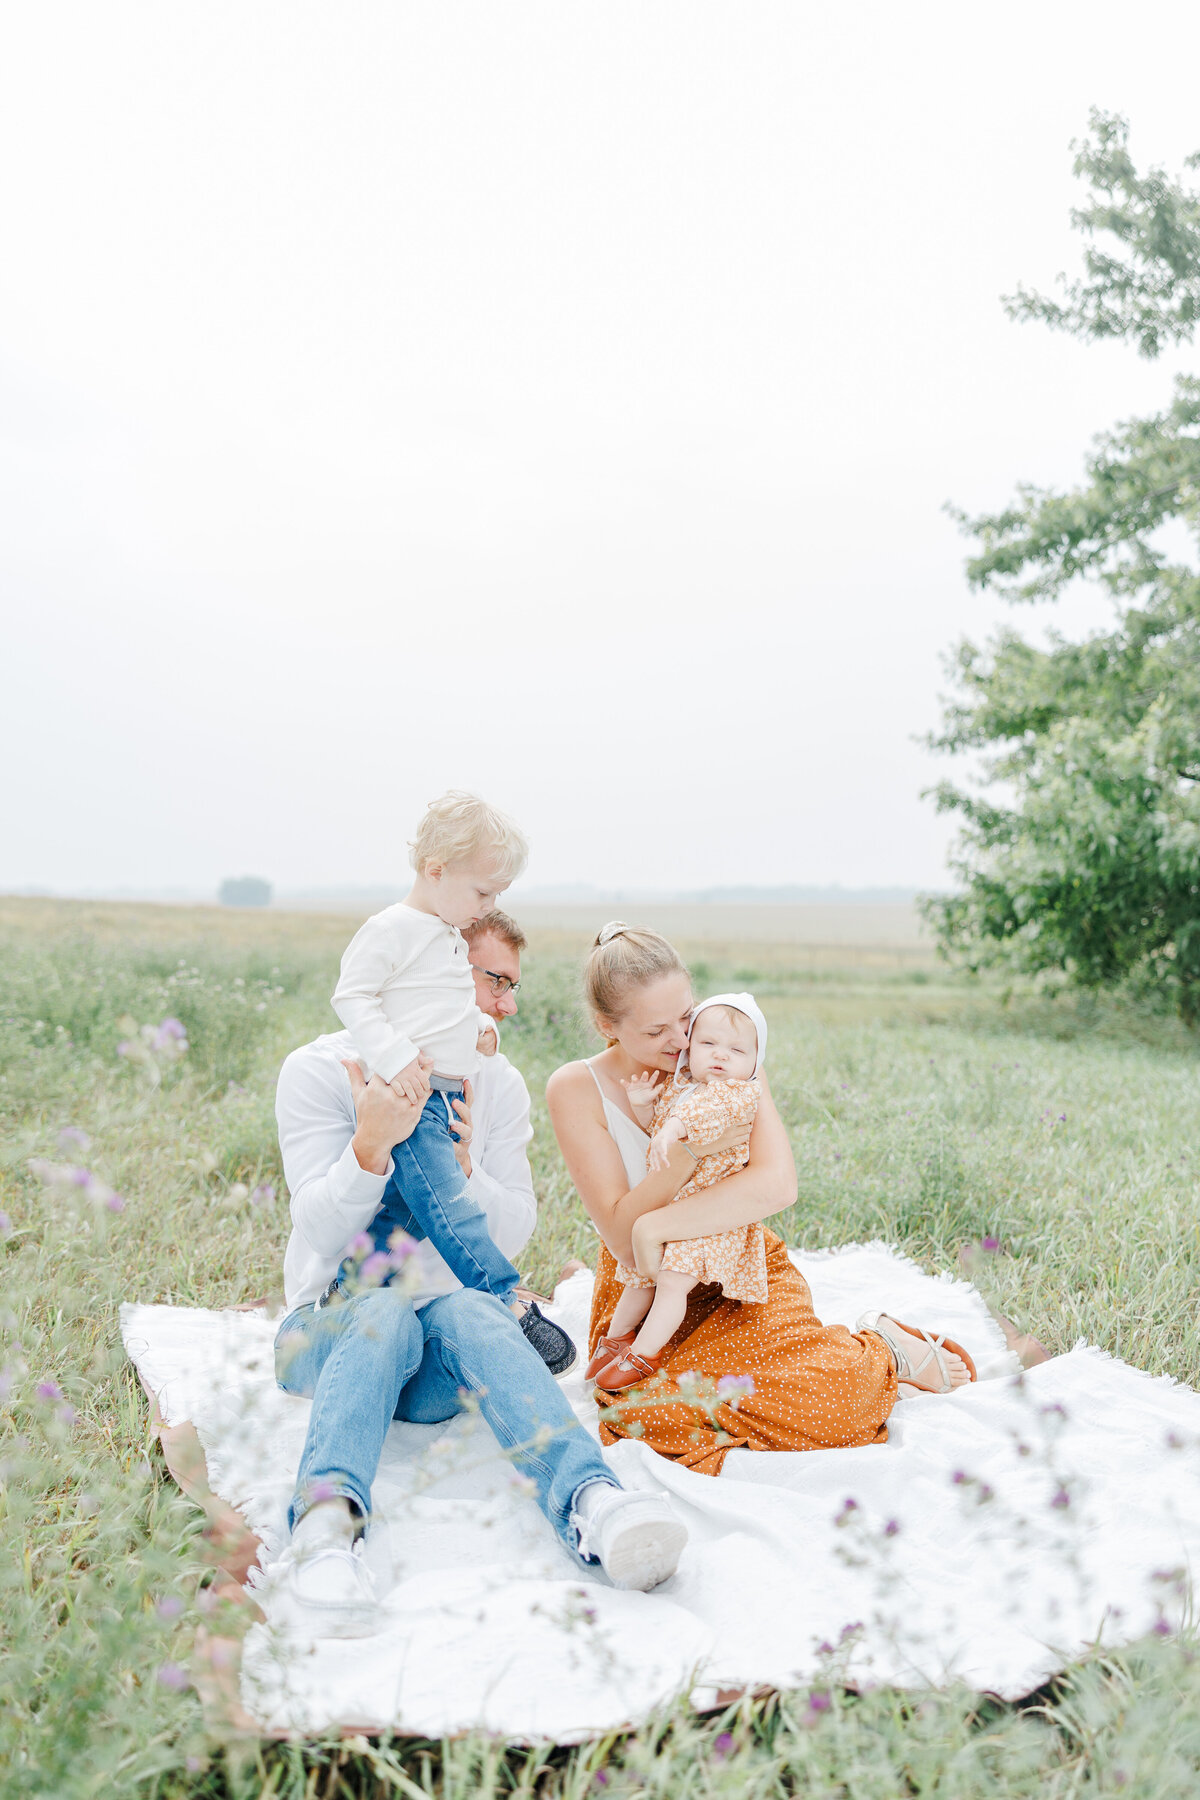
[[384, 1117], [488, 1041], [648, 1244], [412, 1081], [463, 1129]]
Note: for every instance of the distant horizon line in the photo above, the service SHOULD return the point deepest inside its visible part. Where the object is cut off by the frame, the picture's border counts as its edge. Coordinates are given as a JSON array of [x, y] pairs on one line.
[[550, 894]]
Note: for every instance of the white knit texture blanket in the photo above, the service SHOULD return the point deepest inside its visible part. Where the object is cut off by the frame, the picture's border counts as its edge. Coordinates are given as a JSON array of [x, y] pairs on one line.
[[999, 1533]]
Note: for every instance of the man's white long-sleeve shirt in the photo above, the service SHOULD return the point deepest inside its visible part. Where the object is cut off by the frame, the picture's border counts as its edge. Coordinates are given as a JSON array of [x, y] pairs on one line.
[[406, 986], [333, 1199]]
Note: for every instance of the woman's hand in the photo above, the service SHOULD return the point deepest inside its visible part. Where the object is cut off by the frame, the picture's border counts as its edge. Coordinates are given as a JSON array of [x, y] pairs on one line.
[[385, 1117], [463, 1128], [736, 1138], [648, 1239]]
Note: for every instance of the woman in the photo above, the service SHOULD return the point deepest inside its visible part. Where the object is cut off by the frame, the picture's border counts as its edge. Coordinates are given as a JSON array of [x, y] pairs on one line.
[[814, 1386]]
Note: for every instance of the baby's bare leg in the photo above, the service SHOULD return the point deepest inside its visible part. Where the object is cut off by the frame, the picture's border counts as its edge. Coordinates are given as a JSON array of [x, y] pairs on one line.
[[666, 1315], [630, 1310]]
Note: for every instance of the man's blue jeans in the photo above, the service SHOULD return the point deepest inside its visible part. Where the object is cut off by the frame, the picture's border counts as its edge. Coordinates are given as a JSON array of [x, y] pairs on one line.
[[427, 1197], [373, 1358]]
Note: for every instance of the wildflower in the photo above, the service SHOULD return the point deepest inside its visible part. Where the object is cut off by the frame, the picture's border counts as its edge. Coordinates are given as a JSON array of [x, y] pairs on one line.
[[66, 1414], [819, 1701], [735, 1384], [263, 1194], [1061, 1499], [321, 1490], [170, 1675], [600, 1779], [989, 1244], [722, 1745], [5, 1225], [891, 1529], [71, 1138], [960, 1478], [171, 1036], [114, 1204], [376, 1268], [363, 1244], [849, 1506], [49, 1390], [1162, 1628], [169, 1607], [825, 1649]]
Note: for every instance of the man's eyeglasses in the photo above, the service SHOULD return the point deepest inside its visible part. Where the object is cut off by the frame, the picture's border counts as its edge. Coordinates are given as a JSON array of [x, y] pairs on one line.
[[501, 984]]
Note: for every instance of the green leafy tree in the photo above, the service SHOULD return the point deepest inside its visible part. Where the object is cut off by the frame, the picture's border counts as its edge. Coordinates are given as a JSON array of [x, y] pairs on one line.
[[1080, 848]]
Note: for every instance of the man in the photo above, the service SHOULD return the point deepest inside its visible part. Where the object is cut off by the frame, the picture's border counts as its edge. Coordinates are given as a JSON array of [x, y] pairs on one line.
[[407, 1348]]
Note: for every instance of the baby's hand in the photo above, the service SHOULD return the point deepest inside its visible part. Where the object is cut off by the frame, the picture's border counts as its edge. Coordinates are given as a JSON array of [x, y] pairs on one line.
[[488, 1041], [660, 1144], [642, 1092], [412, 1081]]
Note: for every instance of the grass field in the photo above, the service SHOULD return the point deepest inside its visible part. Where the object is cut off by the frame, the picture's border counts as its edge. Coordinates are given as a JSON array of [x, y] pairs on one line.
[[922, 1109]]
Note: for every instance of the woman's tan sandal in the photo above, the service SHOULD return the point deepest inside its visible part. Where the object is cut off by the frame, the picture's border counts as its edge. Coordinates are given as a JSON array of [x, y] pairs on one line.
[[627, 1371], [906, 1368], [605, 1350]]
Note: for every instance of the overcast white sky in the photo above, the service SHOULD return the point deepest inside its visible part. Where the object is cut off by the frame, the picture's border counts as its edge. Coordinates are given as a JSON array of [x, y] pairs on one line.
[[553, 399]]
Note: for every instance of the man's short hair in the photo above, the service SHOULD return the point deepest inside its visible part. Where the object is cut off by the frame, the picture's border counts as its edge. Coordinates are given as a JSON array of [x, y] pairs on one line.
[[497, 924]]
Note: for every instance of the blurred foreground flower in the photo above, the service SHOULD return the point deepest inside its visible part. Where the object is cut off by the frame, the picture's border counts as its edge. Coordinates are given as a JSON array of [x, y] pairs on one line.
[[67, 1178], [152, 1048]]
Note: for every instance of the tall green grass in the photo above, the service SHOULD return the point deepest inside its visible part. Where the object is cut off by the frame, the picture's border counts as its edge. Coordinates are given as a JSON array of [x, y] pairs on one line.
[[922, 1111]]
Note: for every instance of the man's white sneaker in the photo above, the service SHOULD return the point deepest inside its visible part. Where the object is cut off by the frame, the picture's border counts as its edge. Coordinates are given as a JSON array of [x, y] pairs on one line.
[[637, 1537], [324, 1592]]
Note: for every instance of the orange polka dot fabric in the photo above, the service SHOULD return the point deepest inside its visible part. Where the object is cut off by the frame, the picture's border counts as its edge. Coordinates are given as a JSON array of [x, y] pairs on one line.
[[816, 1387], [736, 1260]]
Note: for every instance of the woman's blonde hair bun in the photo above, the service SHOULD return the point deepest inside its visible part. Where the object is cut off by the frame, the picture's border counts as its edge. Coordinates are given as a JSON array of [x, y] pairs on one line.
[[625, 957]]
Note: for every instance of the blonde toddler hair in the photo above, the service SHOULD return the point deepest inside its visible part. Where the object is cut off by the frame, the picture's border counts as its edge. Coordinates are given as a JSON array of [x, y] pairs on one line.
[[622, 958], [460, 828]]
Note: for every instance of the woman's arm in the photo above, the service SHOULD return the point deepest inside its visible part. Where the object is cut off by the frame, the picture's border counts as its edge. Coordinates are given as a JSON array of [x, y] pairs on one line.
[[766, 1185], [594, 1162]]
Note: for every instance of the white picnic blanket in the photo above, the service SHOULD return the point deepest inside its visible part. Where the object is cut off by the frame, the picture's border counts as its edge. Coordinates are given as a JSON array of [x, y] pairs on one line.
[[1001, 1531]]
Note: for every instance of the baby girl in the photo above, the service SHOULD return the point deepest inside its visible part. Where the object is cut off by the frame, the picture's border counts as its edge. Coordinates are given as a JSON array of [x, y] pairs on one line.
[[713, 1089]]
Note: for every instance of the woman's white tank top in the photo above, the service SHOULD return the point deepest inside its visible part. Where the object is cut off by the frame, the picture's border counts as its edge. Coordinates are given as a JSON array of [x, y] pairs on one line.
[[629, 1137]]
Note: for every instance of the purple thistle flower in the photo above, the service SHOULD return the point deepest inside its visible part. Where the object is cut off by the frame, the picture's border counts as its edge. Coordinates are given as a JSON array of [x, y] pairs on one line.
[[171, 1031], [891, 1529], [169, 1607], [5, 1224], [170, 1675], [115, 1204], [960, 1478], [363, 1244], [80, 1178], [819, 1701], [49, 1390], [600, 1779], [66, 1414], [263, 1194], [376, 1268], [1162, 1628], [126, 1047], [71, 1138], [722, 1745], [735, 1384], [401, 1246], [825, 1649], [989, 1243], [1061, 1499]]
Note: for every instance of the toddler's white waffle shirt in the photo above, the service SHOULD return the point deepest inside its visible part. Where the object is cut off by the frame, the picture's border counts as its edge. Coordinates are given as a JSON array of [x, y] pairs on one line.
[[406, 986]]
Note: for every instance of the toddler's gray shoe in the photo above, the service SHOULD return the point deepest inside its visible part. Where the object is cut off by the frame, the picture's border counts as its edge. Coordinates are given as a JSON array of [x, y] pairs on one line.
[[549, 1340]]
